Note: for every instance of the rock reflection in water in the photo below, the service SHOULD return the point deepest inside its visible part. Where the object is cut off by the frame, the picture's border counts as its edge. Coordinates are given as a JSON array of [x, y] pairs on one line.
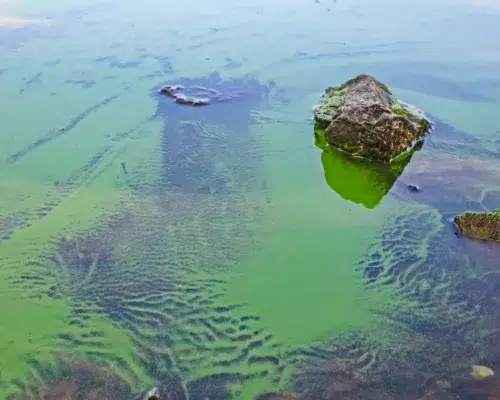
[[359, 180]]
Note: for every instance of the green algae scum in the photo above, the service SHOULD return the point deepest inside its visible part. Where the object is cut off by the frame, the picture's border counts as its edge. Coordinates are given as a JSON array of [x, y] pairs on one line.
[[224, 251]]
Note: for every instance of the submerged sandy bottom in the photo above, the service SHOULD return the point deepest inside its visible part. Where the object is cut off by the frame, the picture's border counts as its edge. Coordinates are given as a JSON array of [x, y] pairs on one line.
[[216, 252]]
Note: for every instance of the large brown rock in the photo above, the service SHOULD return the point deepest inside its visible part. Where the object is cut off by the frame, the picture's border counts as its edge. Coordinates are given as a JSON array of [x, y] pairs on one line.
[[363, 118], [480, 225]]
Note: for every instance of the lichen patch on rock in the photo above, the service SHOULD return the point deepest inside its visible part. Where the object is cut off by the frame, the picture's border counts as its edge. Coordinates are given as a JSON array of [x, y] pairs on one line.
[[480, 225], [363, 118]]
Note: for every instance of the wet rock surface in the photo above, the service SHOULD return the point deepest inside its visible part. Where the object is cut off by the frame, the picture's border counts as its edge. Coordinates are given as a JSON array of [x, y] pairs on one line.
[[359, 180], [481, 372], [153, 394], [193, 101], [363, 118], [480, 225], [193, 95], [176, 92]]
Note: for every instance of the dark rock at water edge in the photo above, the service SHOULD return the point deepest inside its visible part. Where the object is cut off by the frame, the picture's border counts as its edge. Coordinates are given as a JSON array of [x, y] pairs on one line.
[[480, 225], [363, 118]]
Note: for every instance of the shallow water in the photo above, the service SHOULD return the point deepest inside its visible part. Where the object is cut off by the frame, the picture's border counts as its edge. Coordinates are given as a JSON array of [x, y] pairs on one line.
[[217, 252]]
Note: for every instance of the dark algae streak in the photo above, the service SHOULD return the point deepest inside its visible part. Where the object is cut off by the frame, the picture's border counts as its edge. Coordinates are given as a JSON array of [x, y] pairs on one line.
[[58, 132], [155, 268]]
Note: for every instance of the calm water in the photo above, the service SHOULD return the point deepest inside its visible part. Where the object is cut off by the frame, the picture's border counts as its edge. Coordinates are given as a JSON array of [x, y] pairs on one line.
[[216, 252]]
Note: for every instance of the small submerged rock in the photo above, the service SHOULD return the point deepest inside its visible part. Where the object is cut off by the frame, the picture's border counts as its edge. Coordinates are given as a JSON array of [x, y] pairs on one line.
[[171, 90], [480, 225], [443, 384], [180, 98], [363, 118], [194, 101], [413, 188], [153, 394], [480, 372]]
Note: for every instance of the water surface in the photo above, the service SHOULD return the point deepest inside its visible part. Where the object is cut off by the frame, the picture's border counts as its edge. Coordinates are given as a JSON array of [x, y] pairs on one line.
[[218, 252]]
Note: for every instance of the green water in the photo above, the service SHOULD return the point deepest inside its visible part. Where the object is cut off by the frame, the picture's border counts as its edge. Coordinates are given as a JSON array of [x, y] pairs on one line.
[[222, 256]]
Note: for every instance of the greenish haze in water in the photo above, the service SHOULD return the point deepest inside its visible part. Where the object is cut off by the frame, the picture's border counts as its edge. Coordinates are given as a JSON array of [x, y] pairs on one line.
[[230, 242]]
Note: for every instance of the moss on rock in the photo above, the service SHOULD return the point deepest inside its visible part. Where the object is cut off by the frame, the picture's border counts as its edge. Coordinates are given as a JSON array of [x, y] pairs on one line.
[[364, 118], [480, 225]]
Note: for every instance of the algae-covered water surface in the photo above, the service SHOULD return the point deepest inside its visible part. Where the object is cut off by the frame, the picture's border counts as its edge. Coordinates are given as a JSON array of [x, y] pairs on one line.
[[222, 251]]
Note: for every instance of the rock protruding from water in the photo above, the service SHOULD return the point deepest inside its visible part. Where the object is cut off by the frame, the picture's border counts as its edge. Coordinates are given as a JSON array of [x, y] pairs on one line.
[[181, 98], [363, 118], [153, 394], [480, 225], [413, 188]]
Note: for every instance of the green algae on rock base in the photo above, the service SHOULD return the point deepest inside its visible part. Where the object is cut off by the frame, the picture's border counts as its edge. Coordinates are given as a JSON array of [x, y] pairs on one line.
[[364, 118], [359, 180], [480, 225]]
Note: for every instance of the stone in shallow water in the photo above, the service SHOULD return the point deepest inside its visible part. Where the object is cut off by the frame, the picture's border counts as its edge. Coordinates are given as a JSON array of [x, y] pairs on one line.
[[480, 225], [153, 394], [480, 372], [180, 98], [193, 101], [363, 118], [171, 90]]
